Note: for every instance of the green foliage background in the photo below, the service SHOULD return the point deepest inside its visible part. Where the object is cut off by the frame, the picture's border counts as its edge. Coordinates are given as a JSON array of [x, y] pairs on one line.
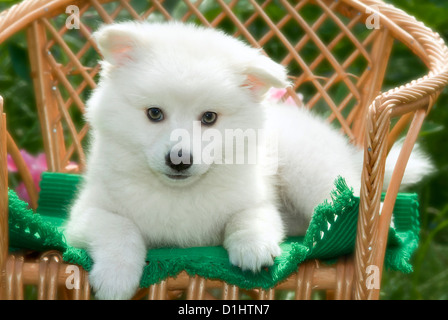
[[430, 277]]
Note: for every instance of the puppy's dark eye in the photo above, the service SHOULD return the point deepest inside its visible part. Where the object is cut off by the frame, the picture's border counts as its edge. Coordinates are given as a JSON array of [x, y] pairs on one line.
[[154, 114], [209, 118]]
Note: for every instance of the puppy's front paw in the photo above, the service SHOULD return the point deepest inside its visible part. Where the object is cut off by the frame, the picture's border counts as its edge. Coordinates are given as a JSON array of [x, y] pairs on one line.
[[111, 281], [252, 253]]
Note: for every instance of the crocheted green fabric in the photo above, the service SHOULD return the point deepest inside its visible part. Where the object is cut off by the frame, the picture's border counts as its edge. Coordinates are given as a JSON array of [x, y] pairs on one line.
[[331, 234]]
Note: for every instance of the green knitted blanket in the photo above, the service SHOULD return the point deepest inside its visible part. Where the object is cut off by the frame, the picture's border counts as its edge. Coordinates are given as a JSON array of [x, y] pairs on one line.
[[331, 234]]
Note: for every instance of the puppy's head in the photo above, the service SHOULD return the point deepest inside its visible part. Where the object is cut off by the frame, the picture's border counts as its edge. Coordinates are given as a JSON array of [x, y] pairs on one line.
[[169, 93]]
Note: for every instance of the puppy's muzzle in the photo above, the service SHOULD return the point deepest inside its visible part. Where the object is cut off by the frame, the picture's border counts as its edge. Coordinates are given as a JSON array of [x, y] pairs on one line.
[[180, 162]]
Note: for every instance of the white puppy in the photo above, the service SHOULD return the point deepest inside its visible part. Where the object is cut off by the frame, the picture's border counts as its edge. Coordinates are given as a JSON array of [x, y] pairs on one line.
[[145, 187]]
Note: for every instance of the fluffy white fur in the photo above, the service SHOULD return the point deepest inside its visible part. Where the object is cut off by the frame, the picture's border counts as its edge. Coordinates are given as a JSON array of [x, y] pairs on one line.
[[128, 203]]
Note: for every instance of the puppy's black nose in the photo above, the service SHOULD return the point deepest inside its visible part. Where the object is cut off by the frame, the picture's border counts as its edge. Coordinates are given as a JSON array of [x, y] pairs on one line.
[[179, 163]]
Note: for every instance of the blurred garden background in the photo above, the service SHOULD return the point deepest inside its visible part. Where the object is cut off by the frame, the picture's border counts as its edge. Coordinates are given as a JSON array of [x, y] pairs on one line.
[[430, 277]]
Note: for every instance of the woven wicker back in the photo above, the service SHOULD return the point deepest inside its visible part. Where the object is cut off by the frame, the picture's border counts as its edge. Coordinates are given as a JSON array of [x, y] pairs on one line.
[[328, 49]]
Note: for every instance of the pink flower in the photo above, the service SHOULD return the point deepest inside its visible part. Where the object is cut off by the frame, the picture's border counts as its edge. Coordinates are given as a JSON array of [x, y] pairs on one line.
[[10, 164], [278, 95], [36, 164]]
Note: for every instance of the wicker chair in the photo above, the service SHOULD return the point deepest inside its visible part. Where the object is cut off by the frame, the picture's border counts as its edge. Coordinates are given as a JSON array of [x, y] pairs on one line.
[[347, 83]]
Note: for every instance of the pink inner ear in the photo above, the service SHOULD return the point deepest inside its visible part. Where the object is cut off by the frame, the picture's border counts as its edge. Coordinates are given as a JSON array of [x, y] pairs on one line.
[[254, 84], [121, 54]]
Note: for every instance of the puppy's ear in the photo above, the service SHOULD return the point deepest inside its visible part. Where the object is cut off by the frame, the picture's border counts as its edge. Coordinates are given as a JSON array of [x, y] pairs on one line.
[[116, 42], [262, 73]]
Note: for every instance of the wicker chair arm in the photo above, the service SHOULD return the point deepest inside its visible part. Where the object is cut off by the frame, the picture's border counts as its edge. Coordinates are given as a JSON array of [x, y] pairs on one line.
[[413, 99], [425, 43], [23, 13], [3, 190]]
